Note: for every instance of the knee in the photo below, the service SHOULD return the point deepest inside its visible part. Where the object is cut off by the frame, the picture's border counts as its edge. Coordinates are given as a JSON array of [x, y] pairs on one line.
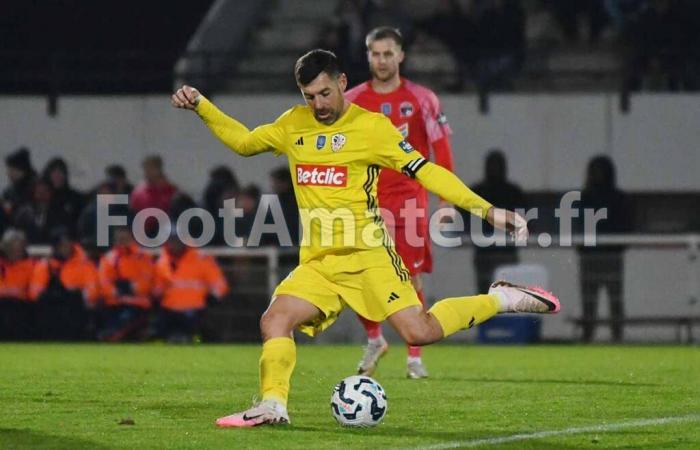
[[414, 337], [274, 324]]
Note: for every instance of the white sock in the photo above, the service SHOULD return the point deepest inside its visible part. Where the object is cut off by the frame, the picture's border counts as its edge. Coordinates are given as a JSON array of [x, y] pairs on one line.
[[414, 359], [376, 341]]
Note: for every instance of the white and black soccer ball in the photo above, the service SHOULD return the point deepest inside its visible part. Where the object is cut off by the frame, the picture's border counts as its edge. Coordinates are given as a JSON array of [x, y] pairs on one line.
[[358, 401]]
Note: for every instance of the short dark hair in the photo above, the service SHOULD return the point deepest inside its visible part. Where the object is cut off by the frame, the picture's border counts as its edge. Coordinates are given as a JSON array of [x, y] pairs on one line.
[[380, 33], [312, 63]]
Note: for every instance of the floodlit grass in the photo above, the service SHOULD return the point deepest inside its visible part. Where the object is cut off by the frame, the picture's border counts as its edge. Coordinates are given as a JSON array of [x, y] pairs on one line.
[[64, 396]]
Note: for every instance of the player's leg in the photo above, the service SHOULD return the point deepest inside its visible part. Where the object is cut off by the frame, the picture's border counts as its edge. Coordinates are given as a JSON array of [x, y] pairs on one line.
[[277, 361], [415, 368], [419, 327]]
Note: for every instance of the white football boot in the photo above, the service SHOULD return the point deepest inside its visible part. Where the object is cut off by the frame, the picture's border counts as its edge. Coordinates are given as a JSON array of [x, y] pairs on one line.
[[524, 299], [373, 352]]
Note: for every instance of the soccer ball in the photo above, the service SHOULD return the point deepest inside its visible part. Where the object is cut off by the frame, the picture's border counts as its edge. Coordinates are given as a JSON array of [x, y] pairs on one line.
[[358, 401]]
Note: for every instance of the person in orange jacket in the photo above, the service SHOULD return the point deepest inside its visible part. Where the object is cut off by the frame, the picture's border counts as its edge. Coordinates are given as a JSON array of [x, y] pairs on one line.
[[16, 309], [126, 275], [65, 285], [185, 278]]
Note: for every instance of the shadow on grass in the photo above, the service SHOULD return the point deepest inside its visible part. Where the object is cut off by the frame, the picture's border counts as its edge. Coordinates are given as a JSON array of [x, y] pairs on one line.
[[549, 381], [24, 439]]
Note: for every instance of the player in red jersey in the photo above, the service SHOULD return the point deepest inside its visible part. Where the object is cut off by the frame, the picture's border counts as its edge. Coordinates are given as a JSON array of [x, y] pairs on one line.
[[415, 111]]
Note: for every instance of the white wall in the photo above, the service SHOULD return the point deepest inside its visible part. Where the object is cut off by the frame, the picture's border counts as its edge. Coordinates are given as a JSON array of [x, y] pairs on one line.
[[548, 138]]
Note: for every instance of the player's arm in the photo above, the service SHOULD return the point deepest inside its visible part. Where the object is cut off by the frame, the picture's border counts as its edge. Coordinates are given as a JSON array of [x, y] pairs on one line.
[[231, 132], [397, 154]]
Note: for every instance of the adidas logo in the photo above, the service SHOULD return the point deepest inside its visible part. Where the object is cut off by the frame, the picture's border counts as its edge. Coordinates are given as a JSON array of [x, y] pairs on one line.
[[300, 141], [392, 297]]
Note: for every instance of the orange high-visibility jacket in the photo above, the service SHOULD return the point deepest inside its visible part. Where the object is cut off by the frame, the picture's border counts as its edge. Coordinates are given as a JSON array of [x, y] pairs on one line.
[[184, 282], [78, 272], [130, 263], [15, 277]]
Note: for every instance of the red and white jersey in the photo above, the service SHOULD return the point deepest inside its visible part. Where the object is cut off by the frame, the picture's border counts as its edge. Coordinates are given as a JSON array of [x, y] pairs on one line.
[[415, 111]]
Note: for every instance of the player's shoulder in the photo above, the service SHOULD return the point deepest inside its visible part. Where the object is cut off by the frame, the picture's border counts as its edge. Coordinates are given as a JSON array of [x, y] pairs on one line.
[[293, 114], [371, 118], [353, 93], [421, 92]]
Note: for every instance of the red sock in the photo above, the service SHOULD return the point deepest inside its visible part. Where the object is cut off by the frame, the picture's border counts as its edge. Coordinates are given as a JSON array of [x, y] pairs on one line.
[[373, 329], [413, 351]]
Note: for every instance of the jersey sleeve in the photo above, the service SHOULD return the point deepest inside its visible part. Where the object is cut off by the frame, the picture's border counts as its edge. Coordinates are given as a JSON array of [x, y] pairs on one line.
[[236, 136], [448, 186], [390, 150], [435, 121]]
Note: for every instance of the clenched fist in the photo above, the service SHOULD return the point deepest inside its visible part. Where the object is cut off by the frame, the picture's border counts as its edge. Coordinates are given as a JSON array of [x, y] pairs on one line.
[[186, 97]]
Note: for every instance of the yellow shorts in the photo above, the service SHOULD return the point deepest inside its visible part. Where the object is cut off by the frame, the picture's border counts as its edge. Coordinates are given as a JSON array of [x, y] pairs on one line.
[[374, 283]]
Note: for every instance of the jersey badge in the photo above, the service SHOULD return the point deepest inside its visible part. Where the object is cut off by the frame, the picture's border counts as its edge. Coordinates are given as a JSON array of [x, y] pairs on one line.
[[386, 109], [337, 142], [406, 109], [406, 147], [320, 141], [403, 129], [442, 119]]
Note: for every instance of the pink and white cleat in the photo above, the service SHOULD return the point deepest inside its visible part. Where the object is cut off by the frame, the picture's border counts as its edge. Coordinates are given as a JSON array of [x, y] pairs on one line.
[[524, 299], [266, 412]]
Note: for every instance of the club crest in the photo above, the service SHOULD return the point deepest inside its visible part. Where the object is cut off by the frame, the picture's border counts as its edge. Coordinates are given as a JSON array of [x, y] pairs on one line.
[[406, 109], [337, 142]]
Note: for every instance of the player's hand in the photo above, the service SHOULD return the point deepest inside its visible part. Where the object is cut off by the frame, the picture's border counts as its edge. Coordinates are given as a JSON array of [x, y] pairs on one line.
[[186, 97], [513, 222]]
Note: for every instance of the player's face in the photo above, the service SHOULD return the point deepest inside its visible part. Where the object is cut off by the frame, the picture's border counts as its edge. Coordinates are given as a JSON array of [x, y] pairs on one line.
[[384, 56], [324, 95]]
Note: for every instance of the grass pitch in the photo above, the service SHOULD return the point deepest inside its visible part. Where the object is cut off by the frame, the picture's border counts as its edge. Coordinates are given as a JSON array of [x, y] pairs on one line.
[[62, 396]]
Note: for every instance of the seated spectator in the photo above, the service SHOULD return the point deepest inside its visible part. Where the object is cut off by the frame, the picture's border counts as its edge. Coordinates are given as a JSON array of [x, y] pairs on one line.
[[16, 267], [155, 191], [126, 276], [65, 285], [22, 177], [185, 279], [116, 175], [43, 215], [56, 174]]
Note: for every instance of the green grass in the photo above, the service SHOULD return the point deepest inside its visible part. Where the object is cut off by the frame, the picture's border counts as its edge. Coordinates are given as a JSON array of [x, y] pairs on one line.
[[58, 396]]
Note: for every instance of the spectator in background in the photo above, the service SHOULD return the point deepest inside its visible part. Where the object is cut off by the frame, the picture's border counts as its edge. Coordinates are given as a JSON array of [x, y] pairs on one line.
[[221, 179], [65, 285], [500, 40], [87, 222], [16, 267], [185, 280], [126, 275], [248, 200], [155, 191], [43, 215], [116, 175], [503, 194], [22, 176], [71, 201], [602, 266], [283, 187], [344, 36]]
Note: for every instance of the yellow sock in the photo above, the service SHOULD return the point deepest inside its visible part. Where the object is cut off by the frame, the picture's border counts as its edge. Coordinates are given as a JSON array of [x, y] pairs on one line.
[[458, 313], [279, 355]]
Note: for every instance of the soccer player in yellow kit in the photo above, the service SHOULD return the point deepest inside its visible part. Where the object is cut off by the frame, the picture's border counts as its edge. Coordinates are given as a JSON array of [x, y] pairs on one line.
[[335, 151]]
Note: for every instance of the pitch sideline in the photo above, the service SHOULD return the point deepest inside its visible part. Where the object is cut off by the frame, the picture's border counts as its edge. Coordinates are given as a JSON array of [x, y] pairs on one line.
[[564, 432]]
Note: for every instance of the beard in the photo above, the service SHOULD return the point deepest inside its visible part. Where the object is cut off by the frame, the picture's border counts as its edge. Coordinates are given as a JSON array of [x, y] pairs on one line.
[[329, 118], [385, 75]]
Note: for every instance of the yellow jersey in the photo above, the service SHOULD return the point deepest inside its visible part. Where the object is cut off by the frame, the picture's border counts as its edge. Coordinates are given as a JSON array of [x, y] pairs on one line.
[[335, 169]]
